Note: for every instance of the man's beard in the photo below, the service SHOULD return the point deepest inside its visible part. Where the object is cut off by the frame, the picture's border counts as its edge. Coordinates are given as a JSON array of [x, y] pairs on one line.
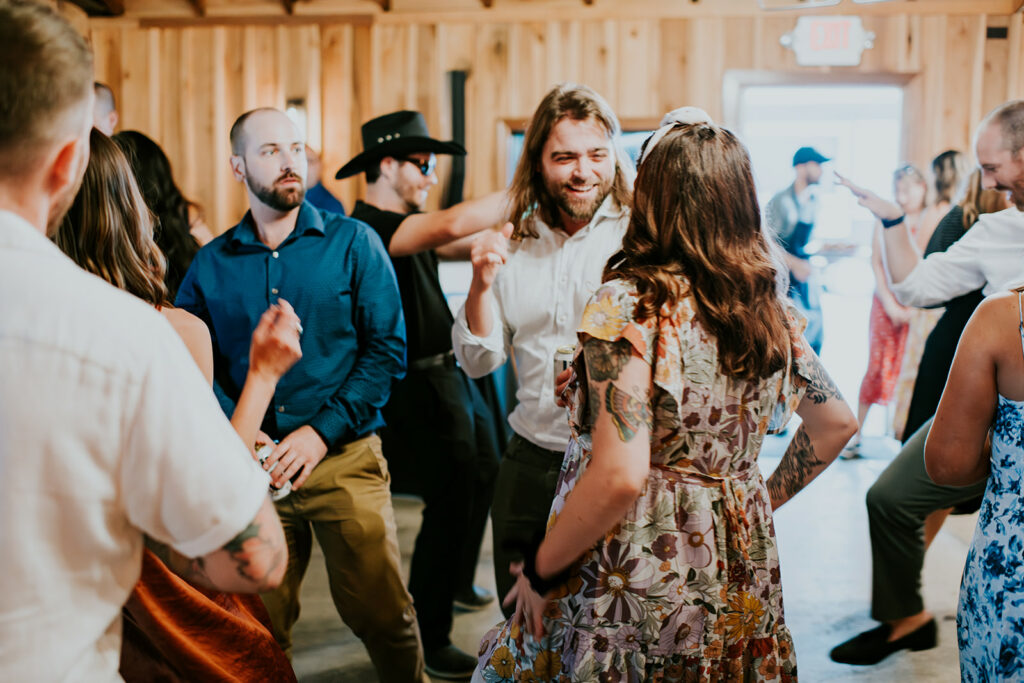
[[578, 208], [277, 198]]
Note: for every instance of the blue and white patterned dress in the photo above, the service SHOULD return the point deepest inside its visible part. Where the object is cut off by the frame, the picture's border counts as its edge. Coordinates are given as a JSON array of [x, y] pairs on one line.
[[990, 618]]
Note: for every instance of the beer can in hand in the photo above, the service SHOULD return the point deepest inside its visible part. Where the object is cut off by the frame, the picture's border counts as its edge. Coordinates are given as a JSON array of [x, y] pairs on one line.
[[563, 359], [263, 452]]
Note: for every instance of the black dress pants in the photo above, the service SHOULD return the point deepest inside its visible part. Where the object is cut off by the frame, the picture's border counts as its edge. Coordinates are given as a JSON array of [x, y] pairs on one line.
[[440, 445]]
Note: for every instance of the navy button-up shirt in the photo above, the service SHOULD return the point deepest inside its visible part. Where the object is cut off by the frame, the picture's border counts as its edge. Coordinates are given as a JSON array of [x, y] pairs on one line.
[[336, 273]]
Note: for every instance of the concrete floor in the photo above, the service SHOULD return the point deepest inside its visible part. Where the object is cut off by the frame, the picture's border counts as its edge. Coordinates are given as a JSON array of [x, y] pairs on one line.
[[826, 572]]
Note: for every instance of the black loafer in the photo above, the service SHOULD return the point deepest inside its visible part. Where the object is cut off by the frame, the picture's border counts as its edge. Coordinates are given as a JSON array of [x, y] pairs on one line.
[[873, 646], [473, 600], [449, 662]]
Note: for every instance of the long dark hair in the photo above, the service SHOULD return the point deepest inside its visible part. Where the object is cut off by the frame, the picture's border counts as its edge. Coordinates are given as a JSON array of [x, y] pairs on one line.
[[696, 219], [949, 170], [109, 231], [152, 172]]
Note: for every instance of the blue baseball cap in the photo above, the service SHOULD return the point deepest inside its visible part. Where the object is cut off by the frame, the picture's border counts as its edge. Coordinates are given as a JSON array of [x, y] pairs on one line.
[[806, 154]]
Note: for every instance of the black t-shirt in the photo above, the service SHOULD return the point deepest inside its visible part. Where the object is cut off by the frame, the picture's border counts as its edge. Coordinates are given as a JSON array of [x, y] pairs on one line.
[[428, 320]]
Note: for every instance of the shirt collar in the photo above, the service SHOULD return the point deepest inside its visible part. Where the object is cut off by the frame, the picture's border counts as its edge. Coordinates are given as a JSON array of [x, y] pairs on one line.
[[307, 221], [18, 233]]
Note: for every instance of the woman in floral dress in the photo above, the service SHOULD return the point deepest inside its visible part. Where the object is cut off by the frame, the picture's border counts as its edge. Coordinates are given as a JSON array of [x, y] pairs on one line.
[[660, 562], [985, 390]]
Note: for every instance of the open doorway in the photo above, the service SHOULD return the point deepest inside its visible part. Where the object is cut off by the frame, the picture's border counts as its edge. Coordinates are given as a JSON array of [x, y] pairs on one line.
[[858, 125]]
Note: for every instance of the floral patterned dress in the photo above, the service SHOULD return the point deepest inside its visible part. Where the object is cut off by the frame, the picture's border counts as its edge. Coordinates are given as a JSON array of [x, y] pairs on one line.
[[687, 586], [990, 618]]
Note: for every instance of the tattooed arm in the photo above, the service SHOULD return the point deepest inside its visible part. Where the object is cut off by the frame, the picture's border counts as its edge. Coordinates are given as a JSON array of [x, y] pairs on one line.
[[828, 423], [618, 389], [252, 562]]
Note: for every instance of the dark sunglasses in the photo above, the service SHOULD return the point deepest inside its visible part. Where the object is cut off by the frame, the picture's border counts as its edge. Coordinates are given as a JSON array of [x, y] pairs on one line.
[[426, 167]]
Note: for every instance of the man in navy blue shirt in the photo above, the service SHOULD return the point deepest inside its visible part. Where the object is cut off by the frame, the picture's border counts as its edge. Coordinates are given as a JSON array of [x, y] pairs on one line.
[[326, 410]]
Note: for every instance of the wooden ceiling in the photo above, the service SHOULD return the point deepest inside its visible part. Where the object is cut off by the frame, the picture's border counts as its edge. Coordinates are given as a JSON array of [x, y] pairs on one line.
[[238, 11]]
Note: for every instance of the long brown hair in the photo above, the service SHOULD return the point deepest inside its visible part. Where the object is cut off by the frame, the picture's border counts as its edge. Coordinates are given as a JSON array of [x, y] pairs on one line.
[[109, 231], [696, 216], [530, 197], [977, 200]]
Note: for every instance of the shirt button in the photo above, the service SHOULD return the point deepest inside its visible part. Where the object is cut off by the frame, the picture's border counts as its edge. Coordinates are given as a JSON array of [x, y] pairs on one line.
[[274, 290], [280, 409], [274, 254]]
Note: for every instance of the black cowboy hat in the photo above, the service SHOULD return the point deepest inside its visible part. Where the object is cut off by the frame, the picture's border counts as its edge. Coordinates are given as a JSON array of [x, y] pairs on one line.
[[395, 135]]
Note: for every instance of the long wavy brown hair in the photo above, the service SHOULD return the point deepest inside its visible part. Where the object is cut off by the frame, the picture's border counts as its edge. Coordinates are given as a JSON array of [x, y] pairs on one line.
[[530, 197], [109, 230], [696, 228]]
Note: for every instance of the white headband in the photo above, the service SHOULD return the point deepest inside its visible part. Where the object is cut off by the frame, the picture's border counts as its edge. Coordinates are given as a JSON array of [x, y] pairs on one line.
[[683, 115]]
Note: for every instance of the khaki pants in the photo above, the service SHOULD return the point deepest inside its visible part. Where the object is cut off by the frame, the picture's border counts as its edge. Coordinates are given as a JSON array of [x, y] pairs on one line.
[[346, 502]]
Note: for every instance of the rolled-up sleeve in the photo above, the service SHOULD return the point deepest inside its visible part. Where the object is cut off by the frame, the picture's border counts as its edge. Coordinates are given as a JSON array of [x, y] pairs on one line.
[[480, 356], [944, 275]]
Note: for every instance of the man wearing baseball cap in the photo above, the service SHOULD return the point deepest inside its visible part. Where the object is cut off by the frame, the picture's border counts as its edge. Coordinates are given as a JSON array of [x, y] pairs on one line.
[[790, 216], [439, 441]]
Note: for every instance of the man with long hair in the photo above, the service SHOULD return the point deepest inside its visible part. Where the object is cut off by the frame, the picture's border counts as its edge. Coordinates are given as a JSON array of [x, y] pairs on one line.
[[109, 430], [570, 207], [326, 411]]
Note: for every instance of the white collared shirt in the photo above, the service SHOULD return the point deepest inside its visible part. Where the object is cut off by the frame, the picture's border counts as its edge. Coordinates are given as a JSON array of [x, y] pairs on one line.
[[107, 429], [539, 297], [990, 255]]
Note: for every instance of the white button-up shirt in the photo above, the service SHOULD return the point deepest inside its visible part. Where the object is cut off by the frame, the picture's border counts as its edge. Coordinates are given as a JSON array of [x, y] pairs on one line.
[[107, 429], [539, 297], [990, 255]]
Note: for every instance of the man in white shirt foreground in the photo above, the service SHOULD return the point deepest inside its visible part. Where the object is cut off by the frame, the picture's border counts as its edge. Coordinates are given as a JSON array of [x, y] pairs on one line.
[[107, 427], [570, 207], [990, 255]]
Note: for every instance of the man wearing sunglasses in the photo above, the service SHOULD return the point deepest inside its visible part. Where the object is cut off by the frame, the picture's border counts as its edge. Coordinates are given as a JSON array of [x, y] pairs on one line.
[[439, 441]]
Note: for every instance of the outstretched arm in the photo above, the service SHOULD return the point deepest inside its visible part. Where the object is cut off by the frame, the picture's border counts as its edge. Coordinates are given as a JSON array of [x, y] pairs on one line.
[[901, 254], [423, 231], [828, 423]]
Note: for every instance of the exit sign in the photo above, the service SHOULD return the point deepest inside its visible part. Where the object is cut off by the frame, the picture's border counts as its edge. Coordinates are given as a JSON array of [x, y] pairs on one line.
[[828, 41]]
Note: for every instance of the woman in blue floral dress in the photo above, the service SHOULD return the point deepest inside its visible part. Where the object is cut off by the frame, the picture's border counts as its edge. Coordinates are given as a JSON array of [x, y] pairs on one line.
[[986, 389], [660, 562]]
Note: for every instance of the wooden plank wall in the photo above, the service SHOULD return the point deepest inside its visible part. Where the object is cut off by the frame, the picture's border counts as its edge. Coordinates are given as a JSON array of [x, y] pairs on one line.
[[184, 86]]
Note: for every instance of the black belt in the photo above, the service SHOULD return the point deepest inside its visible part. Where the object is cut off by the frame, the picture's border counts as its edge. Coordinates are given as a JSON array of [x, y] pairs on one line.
[[441, 360]]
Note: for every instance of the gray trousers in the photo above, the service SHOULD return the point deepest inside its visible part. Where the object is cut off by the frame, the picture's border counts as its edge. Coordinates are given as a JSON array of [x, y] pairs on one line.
[[898, 504]]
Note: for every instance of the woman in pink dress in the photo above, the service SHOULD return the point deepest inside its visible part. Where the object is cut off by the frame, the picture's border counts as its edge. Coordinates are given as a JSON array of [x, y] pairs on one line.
[[888, 322]]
